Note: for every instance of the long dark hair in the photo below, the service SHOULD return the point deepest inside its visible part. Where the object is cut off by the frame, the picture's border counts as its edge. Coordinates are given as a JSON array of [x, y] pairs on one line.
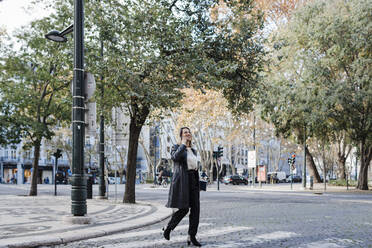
[[181, 130]]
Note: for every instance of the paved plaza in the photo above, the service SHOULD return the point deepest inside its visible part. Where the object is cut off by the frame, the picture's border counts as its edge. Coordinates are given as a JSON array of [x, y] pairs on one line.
[[46, 219]]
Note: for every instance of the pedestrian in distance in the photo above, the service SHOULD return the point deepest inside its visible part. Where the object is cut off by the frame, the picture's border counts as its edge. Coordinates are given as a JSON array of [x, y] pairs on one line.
[[184, 193], [160, 177]]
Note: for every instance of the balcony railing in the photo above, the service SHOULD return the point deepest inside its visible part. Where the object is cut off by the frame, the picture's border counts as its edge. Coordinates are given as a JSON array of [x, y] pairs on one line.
[[42, 161]]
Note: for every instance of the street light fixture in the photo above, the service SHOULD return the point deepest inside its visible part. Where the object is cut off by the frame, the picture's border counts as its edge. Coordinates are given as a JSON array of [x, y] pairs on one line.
[[59, 36]]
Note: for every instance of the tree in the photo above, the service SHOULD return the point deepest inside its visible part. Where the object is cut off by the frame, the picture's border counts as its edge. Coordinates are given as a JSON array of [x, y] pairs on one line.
[[279, 11], [151, 42], [152, 49], [35, 87], [326, 57], [164, 46], [205, 114]]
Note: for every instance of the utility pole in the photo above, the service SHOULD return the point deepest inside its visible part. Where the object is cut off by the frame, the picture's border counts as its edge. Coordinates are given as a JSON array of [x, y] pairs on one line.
[[78, 180]]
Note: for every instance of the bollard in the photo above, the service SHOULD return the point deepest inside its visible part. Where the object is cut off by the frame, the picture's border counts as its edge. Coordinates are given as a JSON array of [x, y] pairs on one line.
[[89, 187]]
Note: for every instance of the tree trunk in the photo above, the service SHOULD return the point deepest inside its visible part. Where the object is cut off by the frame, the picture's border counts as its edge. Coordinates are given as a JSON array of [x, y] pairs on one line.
[[341, 160], [130, 185], [35, 168], [342, 155], [365, 159], [137, 119], [233, 169], [148, 158], [280, 168], [311, 166]]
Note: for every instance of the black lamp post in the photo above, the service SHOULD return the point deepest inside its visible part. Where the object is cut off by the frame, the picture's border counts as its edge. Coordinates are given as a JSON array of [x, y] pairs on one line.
[[304, 162], [57, 155], [78, 180], [102, 184]]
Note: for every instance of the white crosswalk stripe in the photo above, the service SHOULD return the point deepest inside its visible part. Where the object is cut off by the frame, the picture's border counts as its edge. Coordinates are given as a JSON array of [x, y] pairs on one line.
[[320, 244], [269, 236], [179, 238], [332, 243], [211, 237], [120, 236]]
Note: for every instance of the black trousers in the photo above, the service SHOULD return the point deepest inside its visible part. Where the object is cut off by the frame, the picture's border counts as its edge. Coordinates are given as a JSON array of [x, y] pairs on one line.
[[194, 206]]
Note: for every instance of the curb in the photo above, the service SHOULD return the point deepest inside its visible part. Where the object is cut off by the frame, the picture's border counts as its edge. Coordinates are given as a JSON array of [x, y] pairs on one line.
[[161, 214]]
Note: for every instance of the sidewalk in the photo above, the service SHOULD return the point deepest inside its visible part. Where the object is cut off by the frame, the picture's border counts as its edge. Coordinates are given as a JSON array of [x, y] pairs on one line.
[[35, 221]]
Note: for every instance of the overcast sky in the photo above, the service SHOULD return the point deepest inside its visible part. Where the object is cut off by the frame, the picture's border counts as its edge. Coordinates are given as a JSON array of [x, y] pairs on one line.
[[14, 14]]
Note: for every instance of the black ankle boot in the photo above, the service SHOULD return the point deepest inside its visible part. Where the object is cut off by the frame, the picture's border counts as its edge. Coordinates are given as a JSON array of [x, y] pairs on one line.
[[166, 232], [192, 239]]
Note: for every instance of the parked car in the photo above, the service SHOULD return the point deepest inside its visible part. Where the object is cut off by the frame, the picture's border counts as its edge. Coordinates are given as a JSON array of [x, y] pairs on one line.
[[235, 180], [111, 180], [61, 177], [296, 179], [282, 176]]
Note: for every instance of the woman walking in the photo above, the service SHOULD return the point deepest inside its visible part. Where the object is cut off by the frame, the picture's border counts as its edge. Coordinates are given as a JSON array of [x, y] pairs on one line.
[[184, 191]]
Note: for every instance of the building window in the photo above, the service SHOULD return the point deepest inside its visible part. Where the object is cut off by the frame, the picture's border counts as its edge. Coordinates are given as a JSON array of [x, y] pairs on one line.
[[168, 149], [6, 154], [168, 139], [13, 154]]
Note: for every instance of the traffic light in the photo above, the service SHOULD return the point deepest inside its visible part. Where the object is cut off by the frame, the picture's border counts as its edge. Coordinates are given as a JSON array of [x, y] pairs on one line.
[[290, 161], [58, 153], [220, 152], [215, 154]]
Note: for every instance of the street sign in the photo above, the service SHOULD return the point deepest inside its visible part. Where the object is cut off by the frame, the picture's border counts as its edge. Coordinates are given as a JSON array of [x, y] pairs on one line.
[[262, 173], [251, 159], [90, 85], [90, 118]]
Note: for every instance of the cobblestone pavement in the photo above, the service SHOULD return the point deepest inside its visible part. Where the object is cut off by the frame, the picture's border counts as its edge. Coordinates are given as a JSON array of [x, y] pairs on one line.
[[260, 219], [44, 220], [43, 216]]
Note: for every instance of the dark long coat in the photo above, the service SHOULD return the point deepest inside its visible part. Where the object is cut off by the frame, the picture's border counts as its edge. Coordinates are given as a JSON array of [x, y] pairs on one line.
[[178, 196]]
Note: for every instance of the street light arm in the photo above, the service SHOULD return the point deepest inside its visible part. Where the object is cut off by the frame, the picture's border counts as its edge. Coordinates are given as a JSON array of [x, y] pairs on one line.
[[68, 30]]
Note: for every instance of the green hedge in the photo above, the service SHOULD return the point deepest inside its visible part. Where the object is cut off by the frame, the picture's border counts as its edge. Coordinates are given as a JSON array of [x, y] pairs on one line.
[[340, 182]]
